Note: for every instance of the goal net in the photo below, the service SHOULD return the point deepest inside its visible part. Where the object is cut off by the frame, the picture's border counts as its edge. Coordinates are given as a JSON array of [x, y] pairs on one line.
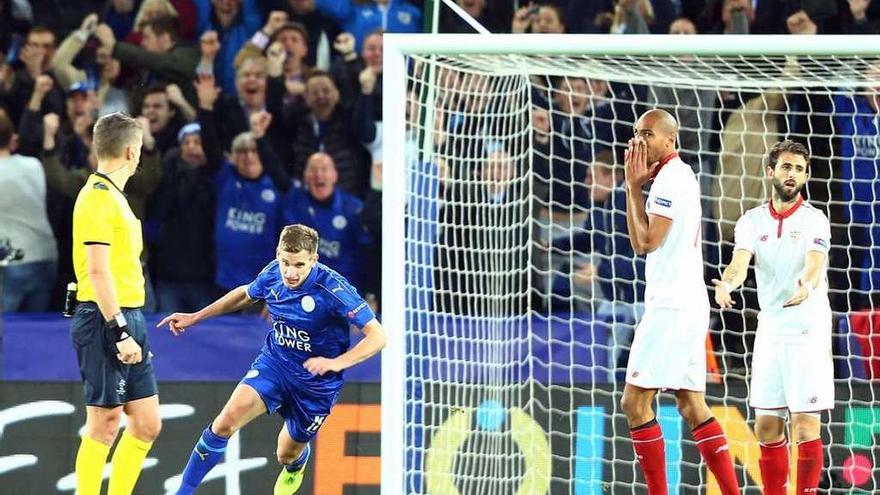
[[510, 283]]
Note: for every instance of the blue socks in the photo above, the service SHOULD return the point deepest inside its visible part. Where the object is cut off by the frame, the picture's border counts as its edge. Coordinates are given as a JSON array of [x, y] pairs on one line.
[[206, 454], [300, 461]]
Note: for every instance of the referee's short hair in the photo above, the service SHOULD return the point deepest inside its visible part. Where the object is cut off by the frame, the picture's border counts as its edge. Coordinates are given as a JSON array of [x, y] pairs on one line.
[[113, 133], [297, 237]]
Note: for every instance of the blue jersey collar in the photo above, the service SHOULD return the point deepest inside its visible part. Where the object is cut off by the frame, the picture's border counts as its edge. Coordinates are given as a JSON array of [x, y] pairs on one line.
[[309, 281]]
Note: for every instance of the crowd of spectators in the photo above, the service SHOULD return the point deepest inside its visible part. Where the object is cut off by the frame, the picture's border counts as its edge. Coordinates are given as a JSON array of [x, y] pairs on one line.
[[268, 112], [260, 113]]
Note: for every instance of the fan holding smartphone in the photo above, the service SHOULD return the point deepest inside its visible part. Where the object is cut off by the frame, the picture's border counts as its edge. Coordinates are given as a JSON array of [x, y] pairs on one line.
[[537, 18]]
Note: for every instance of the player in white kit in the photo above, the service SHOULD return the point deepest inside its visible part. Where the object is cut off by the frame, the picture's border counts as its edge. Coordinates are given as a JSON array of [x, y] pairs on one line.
[[668, 351], [792, 368]]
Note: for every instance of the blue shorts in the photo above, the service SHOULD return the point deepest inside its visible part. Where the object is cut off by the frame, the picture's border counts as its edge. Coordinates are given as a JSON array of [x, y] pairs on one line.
[[107, 382], [303, 412]]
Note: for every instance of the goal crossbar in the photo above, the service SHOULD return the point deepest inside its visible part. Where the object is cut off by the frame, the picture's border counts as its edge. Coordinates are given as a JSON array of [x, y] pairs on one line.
[[631, 44]]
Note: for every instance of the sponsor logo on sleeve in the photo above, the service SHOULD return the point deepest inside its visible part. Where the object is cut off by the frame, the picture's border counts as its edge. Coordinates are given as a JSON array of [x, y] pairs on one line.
[[821, 242], [666, 203], [357, 310]]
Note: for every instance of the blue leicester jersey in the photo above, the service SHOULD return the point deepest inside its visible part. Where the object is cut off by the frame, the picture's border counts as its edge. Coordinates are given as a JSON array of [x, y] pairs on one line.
[[312, 320], [859, 127], [246, 225], [339, 223]]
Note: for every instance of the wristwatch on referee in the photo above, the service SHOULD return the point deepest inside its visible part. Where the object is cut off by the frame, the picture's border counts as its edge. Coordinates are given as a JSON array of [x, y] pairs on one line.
[[118, 324]]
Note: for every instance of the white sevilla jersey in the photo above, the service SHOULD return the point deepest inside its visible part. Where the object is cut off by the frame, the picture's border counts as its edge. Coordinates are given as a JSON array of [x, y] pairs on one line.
[[779, 243], [674, 271]]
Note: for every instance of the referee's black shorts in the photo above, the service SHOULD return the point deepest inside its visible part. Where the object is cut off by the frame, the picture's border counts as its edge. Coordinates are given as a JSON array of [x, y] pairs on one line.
[[107, 382]]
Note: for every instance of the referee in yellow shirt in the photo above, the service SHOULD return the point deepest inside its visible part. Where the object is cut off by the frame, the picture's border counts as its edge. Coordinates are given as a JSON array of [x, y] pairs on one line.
[[108, 329]]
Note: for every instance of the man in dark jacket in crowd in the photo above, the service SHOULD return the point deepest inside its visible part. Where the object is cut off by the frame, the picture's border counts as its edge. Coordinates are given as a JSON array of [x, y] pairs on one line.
[[184, 207], [327, 126], [161, 57]]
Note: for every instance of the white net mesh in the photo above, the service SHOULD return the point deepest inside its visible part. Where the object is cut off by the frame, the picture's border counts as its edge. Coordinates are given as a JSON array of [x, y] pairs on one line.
[[522, 291]]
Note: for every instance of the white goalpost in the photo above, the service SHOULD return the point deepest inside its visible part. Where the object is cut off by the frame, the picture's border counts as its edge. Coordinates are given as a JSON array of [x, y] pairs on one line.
[[510, 293]]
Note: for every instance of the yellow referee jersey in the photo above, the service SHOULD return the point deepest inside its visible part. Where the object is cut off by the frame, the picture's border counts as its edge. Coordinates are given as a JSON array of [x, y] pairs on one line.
[[102, 215]]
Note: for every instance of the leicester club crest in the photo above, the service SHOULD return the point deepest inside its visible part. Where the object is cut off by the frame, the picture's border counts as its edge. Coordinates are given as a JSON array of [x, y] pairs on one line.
[[308, 304]]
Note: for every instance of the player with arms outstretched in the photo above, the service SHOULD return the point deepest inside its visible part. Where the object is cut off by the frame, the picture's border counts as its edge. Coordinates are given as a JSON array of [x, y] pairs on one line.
[[792, 369], [668, 350], [298, 373]]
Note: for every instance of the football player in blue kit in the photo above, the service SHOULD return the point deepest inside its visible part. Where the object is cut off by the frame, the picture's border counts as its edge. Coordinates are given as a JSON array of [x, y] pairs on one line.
[[298, 373]]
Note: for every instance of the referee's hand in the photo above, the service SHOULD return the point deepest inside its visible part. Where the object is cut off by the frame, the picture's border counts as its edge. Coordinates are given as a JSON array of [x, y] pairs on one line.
[[129, 351]]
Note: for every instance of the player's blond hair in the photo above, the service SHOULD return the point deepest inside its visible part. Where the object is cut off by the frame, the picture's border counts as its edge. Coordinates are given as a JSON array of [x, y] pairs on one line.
[[297, 237]]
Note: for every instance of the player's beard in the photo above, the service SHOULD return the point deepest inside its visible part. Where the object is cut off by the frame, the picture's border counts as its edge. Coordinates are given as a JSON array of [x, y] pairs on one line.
[[782, 194]]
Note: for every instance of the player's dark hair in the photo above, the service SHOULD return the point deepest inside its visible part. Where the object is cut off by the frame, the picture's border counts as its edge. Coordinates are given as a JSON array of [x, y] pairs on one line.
[[787, 146], [297, 237], [113, 133], [7, 129]]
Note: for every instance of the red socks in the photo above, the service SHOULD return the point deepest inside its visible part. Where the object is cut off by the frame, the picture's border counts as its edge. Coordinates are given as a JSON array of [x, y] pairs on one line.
[[809, 466], [651, 453], [713, 447], [774, 467]]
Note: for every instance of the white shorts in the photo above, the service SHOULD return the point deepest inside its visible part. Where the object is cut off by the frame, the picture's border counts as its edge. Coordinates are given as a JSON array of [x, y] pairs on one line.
[[791, 375], [669, 350]]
